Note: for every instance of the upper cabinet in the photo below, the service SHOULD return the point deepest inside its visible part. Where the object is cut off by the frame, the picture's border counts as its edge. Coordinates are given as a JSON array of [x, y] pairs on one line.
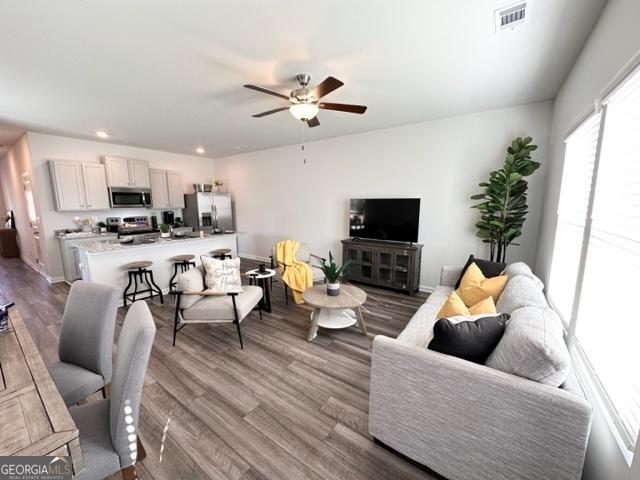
[[127, 172], [166, 188], [79, 185]]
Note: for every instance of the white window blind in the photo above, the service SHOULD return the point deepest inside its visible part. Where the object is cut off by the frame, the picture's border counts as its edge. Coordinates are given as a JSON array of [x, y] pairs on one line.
[[577, 175], [608, 322]]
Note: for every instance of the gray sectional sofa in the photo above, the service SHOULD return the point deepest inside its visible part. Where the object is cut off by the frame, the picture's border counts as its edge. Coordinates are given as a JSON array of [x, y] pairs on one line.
[[523, 417]]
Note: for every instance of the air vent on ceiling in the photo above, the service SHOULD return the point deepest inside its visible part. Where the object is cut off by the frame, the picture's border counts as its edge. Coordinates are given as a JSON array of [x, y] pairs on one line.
[[511, 17]]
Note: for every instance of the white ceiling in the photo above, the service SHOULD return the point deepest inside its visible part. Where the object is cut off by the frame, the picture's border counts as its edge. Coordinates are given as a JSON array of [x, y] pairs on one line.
[[166, 74]]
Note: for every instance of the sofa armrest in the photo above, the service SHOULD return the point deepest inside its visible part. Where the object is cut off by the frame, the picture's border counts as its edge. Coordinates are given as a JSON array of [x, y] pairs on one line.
[[449, 275], [468, 421]]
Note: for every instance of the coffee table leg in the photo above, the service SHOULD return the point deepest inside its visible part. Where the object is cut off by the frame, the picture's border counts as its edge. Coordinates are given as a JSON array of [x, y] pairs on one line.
[[313, 331], [361, 321]]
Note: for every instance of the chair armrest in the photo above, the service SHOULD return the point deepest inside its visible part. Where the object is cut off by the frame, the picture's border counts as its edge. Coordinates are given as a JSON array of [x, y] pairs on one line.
[[317, 257], [460, 418], [208, 293], [449, 275]]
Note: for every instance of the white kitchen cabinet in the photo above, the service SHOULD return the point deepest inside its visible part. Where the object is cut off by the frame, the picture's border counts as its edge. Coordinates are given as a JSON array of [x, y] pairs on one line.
[[139, 173], [126, 172], [159, 188], [176, 189], [95, 186], [70, 256], [166, 188], [66, 179]]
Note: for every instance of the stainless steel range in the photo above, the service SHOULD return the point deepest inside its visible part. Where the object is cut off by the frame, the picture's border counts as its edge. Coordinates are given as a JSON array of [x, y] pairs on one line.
[[137, 227]]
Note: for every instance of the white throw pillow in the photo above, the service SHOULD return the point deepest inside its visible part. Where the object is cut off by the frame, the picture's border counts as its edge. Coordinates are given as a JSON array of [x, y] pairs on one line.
[[222, 275]]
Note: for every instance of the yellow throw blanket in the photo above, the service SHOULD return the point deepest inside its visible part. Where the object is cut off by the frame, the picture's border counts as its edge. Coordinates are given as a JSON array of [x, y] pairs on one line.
[[297, 275]]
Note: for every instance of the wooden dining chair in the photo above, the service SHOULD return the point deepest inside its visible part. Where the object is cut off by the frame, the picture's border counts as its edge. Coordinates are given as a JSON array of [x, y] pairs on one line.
[[85, 347], [109, 428]]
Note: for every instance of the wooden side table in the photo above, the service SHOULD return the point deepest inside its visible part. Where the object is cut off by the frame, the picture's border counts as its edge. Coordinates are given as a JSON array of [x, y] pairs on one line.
[[341, 311]]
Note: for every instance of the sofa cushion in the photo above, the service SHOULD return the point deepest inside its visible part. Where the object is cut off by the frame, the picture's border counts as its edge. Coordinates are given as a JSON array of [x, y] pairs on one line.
[[219, 308], [475, 287], [533, 347], [489, 269], [520, 292], [521, 268], [190, 281], [471, 340]]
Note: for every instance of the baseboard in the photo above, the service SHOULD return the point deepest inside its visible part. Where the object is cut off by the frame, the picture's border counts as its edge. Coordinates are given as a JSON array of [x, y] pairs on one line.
[[54, 279], [254, 257], [425, 288]]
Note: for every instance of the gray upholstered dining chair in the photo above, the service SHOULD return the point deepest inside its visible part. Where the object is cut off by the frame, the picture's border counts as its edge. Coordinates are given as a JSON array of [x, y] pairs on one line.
[[108, 428], [85, 348]]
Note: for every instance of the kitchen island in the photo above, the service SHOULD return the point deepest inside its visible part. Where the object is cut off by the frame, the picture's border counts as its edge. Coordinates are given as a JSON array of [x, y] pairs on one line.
[[104, 262]]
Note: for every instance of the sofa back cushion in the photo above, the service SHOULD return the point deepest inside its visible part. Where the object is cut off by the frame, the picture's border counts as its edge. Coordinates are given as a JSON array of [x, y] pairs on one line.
[[191, 281], [533, 347], [521, 268], [520, 291]]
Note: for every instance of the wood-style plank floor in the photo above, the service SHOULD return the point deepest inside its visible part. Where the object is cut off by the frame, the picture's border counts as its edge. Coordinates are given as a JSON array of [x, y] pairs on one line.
[[282, 408]]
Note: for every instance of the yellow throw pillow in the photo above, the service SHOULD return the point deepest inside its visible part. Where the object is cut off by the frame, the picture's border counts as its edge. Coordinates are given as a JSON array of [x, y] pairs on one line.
[[454, 306], [475, 287], [483, 306]]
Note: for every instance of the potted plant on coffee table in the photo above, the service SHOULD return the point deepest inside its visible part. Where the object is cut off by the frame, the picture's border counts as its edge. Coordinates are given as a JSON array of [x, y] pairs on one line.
[[333, 273]]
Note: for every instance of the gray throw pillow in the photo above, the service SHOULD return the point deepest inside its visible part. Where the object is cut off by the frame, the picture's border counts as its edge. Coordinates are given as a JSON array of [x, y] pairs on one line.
[[519, 292], [533, 347]]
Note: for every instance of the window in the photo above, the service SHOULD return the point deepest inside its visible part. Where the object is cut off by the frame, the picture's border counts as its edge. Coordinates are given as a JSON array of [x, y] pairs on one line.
[[595, 274], [577, 175]]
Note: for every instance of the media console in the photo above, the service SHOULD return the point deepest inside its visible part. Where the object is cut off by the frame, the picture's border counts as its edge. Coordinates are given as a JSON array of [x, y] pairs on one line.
[[388, 264]]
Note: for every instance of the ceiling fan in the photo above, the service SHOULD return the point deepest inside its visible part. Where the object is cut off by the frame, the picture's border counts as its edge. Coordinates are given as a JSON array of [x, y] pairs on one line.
[[304, 103]]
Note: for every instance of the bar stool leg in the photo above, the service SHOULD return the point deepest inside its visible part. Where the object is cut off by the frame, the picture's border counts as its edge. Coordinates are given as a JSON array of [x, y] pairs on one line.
[[124, 295], [175, 273], [135, 287], [145, 273], [156, 287]]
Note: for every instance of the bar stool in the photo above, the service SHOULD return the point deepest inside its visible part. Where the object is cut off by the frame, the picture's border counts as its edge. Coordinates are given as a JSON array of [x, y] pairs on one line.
[[221, 253], [184, 263], [140, 270]]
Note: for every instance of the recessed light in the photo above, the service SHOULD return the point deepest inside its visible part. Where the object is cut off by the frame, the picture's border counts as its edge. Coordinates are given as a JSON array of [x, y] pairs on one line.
[[102, 134], [200, 150]]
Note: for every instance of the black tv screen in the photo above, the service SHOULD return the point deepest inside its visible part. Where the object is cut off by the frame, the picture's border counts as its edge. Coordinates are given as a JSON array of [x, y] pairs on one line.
[[393, 219]]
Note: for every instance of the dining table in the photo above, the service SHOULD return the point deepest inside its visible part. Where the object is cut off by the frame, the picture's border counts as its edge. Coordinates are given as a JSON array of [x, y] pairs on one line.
[[34, 419]]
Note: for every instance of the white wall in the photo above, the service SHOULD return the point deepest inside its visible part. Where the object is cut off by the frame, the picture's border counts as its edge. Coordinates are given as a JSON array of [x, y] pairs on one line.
[[45, 147], [15, 162], [278, 196], [613, 42]]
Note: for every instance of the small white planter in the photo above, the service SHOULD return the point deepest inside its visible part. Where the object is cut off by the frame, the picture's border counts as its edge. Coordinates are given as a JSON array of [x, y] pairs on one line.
[[165, 235], [333, 289]]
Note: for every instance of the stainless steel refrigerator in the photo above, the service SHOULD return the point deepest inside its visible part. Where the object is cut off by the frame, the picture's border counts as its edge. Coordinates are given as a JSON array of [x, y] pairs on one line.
[[208, 210]]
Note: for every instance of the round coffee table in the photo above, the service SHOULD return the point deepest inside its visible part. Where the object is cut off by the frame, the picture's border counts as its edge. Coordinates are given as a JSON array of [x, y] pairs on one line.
[[341, 311]]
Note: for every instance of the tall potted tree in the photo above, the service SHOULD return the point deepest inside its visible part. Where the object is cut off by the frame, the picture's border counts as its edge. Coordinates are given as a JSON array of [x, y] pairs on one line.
[[503, 200]]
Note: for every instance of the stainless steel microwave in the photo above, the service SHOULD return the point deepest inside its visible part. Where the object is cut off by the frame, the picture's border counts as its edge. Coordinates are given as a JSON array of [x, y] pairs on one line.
[[130, 197]]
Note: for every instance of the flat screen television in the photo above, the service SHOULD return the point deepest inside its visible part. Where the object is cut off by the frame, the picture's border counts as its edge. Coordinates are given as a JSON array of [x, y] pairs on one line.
[[393, 219]]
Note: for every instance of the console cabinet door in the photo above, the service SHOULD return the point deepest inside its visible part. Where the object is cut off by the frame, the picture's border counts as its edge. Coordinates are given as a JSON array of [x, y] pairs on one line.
[[95, 186], [384, 267], [139, 173], [176, 189], [67, 184], [159, 189], [117, 171]]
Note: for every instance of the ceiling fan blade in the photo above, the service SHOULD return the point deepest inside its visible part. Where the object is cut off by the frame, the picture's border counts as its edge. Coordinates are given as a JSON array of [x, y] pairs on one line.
[[327, 86], [266, 90], [269, 112], [343, 107], [313, 122]]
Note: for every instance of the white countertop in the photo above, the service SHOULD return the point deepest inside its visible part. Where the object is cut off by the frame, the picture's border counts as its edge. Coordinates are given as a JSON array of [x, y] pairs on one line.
[[105, 247], [84, 235]]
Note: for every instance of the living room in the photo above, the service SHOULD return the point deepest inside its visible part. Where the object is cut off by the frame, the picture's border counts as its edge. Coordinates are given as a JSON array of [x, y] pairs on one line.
[[288, 284]]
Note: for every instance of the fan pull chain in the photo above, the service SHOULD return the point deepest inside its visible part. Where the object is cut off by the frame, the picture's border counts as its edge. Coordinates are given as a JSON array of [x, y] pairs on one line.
[[304, 156]]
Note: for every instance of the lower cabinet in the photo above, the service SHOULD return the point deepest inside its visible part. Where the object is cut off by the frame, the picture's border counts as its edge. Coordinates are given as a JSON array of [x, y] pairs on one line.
[[393, 265]]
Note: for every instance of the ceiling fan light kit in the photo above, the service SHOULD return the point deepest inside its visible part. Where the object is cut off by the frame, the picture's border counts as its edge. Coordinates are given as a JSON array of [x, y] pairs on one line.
[[304, 104]]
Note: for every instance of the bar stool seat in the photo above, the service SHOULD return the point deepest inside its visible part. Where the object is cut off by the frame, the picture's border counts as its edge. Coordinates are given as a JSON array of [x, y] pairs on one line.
[[140, 271], [182, 262], [221, 253]]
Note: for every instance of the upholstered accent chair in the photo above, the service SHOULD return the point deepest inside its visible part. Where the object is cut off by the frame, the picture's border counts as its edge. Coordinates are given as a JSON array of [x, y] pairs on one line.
[[85, 348], [303, 255], [109, 428], [195, 304]]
